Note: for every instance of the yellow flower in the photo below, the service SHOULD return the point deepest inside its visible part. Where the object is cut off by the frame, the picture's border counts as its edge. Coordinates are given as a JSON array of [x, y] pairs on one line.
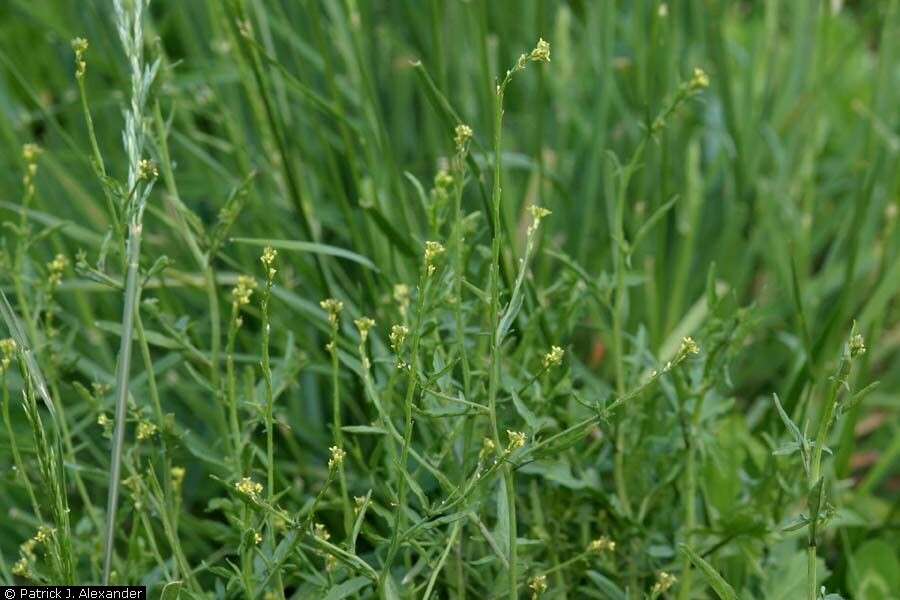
[[7, 351], [601, 545], [488, 447], [364, 324], [398, 336], [337, 457], [241, 293], [331, 563], [432, 251], [268, 260], [145, 430], [554, 357], [700, 80], [177, 475], [664, 581], [516, 439], [147, 170], [538, 585], [401, 297], [248, 487], [55, 269], [333, 308], [80, 46], [856, 345], [689, 346], [541, 52], [463, 133], [321, 532], [21, 568]]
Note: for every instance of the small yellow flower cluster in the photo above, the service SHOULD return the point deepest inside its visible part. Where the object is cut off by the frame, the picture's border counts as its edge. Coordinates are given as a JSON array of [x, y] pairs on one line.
[[268, 260], [856, 345], [248, 487], [432, 251], [443, 182], [104, 421], [537, 214], [364, 324], [488, 447], [147, 170], [257, 538], [22, 567], [516, 439], [688, 346], [333, 308], [240, 295], [331, 563], [358, 503], [398, 336], [146, 430], [7, 351], [554, 357], [30, 153], [55, 269], [541, 52], [601, 545], [463, 134], [401, 297], [80, 46], [664, 581], [538, 586], [700, 80], [321, 532], [176, 475], [337, 457]]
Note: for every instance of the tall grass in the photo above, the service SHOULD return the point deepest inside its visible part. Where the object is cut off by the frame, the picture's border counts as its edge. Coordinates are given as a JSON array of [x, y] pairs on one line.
[[425, 306]]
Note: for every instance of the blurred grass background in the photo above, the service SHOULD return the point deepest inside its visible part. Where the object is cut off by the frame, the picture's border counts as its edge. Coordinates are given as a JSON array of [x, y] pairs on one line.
[[785, 171]]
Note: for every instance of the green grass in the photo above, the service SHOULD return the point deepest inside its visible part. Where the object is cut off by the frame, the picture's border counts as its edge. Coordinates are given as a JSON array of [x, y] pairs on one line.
[[664, 388]]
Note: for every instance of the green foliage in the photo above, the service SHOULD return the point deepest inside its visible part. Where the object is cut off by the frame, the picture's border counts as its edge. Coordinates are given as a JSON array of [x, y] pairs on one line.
[[394, 299]]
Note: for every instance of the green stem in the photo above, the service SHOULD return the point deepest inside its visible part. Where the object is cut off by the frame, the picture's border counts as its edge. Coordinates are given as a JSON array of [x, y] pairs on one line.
[[132, 293]]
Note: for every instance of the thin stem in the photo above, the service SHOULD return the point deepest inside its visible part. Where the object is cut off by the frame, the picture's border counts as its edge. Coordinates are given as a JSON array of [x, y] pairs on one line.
[[132, 293]]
